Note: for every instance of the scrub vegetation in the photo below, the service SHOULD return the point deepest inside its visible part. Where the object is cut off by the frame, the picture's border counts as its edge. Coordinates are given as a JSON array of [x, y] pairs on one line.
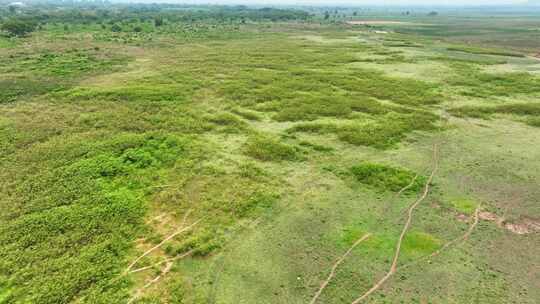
[[156, 153], [384, 177]]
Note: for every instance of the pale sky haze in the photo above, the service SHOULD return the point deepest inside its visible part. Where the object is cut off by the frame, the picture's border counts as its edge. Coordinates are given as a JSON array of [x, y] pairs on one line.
[[353, 2]]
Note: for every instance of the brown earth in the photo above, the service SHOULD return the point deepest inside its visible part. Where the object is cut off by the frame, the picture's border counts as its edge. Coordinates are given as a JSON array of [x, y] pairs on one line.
[[525, 226]]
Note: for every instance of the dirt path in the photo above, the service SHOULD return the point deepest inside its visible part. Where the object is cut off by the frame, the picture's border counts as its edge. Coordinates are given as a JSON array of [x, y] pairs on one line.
[[140, 291], [408, 186], [161, 243], [393, 267], [336, 265], [178, 257], [473, 225], [462, 238], [344, 256]]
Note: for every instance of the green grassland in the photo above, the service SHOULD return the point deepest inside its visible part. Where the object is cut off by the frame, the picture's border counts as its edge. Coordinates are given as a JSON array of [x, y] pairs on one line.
[[278, 139]]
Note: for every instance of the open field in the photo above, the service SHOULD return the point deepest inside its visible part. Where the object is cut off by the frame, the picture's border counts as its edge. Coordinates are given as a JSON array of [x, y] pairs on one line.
[[236, 155]]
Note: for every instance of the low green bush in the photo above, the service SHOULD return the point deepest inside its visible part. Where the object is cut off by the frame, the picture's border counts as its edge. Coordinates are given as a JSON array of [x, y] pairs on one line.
[[81, 212], [132, 93], [477, 83], [314, 127], [64, 64], [533, 121], [247, 114], [382, 132], [226, 119], [270, 149], [522, 109], [316, 147], [18, 27], [386, 178], [13, 89]]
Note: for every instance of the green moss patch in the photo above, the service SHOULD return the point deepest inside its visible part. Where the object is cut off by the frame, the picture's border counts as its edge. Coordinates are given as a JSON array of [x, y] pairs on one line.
[[417, 244], [464, 205]]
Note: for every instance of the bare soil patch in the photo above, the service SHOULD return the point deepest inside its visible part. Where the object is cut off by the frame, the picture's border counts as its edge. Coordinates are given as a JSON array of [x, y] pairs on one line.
[[517, 228], [525, 226], [462, 218], [488, 216]]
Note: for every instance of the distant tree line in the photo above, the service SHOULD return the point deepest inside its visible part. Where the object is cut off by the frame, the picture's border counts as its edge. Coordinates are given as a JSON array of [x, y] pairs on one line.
[[23, 20]]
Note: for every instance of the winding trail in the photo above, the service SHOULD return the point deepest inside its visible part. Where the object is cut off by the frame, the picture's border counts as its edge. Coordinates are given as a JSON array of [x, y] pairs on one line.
[[408, 186], [344, 256], [462, 238], [140, 291], [161, 243], [178, 257], [393, 267], [336, 265]]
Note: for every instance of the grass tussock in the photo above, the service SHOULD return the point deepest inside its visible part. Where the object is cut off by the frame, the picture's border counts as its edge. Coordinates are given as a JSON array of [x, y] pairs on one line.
[[386, 178], [402, 44], [533, 121], [387, 131], [484, 51], [308, 94], [69, 63], [266, 148], [314, 127], [316, 147], [392, 59], [13, 89], [227, 122], [247, 114], [132, 93], [314, 106], [482, 61], [30, 74], [476, 83], [521, 109], [382, 132]]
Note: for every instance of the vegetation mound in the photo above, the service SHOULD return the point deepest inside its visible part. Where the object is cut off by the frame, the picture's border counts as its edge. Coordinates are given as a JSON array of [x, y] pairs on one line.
[[387, 178], [267, 148]]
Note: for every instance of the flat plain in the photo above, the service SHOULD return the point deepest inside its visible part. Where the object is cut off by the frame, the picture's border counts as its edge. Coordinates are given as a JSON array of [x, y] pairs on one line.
[[234, 155]]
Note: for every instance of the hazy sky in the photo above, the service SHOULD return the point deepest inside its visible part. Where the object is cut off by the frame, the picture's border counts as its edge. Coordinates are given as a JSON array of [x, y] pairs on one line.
[[359, 2]]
